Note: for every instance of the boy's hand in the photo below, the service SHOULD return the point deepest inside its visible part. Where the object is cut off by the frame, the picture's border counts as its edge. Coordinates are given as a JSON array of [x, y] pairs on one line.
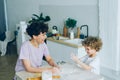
[[74, 58]]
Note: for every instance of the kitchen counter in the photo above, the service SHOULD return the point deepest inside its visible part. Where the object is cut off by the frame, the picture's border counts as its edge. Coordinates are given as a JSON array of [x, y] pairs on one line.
[[62, 48], [69, 71], [62, 41]]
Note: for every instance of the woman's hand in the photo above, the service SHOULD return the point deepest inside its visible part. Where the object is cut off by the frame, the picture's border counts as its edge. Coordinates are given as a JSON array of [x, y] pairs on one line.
[[55, 70], [56, 66]]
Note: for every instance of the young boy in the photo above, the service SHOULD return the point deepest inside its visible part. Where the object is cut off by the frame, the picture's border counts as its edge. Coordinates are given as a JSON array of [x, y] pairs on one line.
[[90, 61]]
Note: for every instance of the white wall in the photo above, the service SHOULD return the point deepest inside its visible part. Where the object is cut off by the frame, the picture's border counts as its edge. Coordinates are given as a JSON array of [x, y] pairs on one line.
[[118, 37], [18, 10], [84, 14], [84, 11], [68, 2], [109, 32]]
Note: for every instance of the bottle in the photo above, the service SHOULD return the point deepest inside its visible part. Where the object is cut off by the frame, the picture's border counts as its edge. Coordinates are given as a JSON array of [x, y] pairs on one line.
[[65, 31], [78, 32]]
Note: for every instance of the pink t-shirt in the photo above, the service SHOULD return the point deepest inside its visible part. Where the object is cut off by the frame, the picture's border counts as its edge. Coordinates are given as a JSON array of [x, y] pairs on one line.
[[31, 53]]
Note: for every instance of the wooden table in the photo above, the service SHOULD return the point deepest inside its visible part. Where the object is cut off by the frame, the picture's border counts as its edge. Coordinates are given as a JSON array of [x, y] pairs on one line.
[[68, 72]]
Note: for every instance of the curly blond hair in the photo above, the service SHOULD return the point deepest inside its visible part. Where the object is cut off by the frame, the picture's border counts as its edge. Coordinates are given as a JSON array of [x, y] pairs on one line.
[[93, 42]]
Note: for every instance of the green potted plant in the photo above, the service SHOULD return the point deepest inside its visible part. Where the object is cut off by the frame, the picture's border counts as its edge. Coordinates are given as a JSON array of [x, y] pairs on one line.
[[71, 23], [39, 18]]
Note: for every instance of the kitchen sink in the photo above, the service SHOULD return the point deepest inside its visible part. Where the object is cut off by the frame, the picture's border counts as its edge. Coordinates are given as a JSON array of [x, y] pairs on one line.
[[76, 41], [63, 38]]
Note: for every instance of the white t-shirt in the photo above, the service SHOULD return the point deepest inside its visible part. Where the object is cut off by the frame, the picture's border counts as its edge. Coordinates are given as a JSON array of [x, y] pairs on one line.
[[93, 62]]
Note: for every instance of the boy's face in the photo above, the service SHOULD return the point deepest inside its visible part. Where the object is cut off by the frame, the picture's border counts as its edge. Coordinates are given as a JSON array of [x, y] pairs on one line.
[[89, 50], [40, 38]]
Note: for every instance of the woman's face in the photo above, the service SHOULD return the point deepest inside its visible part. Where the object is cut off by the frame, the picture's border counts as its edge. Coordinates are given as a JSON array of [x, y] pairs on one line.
[[41, 37], [89, 50]]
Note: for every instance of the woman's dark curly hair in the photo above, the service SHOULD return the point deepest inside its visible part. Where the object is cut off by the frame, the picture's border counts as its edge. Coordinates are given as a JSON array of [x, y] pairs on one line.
[[93, 43], [36, 29]]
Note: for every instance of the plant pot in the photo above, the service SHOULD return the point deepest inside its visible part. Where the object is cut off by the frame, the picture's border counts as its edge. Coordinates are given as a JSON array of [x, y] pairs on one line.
[[71, 34]]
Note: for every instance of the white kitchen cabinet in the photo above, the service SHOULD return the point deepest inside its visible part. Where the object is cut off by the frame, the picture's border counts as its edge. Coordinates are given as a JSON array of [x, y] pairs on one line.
[[62, 52]]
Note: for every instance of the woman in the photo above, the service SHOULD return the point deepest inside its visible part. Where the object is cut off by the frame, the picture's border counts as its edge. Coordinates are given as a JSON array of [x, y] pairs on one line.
[[32, 51]]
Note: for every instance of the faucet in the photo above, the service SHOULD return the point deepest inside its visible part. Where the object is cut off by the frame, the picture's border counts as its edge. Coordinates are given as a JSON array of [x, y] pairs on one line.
[[86, 28]]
